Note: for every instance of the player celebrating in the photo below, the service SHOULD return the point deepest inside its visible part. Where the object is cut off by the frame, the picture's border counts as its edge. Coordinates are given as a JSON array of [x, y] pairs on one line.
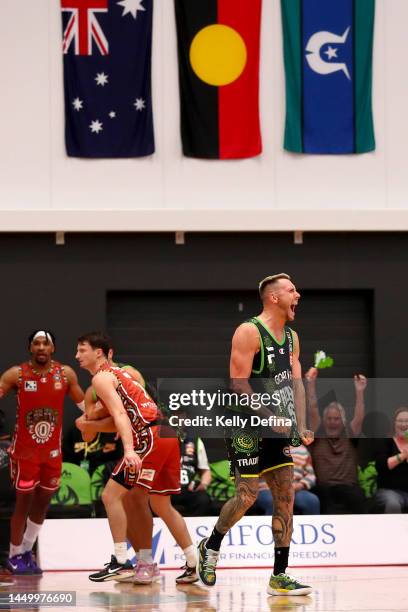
[[41, 385], [264, 347]]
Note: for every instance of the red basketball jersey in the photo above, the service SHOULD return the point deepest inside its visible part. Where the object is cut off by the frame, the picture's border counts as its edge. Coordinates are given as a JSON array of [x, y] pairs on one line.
[[40, 402], [140, 407]]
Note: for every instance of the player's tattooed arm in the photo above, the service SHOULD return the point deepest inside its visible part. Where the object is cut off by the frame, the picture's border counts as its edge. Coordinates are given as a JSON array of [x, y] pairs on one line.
[[280, 481], [235, 508], [8, 380]]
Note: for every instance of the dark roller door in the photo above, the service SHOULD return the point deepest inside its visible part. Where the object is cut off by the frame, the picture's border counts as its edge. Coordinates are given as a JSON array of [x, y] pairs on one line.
[[185, 334]]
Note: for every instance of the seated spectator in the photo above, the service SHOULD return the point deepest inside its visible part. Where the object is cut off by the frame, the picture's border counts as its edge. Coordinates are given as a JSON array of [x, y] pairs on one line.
[[195, 478], [334, 454], [391, 459], [304, 479]]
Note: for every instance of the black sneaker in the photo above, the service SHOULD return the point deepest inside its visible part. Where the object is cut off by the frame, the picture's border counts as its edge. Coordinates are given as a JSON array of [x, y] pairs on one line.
[[113, 569], [189, 575]]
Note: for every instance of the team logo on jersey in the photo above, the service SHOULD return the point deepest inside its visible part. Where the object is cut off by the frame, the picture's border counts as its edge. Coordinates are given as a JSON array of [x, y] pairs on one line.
[[245, 442], [282, 351], [141, 448], [314, 55], [30, 385], [41, 423]]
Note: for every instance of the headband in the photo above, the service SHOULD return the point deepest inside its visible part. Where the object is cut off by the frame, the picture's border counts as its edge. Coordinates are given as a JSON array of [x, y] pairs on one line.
[[44, 334]]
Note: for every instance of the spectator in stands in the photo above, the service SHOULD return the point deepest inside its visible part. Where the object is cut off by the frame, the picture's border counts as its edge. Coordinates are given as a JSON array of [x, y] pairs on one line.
[[195, 478], [391, 459], [304, 479], [333, 452]]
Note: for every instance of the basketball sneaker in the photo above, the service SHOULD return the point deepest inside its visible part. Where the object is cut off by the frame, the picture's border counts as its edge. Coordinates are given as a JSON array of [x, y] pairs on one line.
[[146, 573], [206, 563], [31, 562], [111, 570], [189, 575], [18, 565], [283, 584]]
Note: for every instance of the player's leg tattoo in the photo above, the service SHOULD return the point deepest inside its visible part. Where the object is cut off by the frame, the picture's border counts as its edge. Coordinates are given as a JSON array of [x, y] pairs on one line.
[[280, 482], [235, 508]]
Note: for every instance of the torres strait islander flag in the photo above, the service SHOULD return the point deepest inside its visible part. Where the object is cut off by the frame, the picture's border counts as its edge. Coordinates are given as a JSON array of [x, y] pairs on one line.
[[218, 48], [107, 77], [328, 63]]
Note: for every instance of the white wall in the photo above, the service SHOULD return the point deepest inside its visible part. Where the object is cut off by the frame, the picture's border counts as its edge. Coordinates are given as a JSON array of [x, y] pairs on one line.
[[42, 189]]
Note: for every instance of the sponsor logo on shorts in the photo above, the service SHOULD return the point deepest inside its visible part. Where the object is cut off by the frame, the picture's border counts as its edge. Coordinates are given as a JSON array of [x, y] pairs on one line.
[[54, 453], [30, 385], [286, 451], [147, 474], [54, 482], [245, 442], [246, 462], [57, 386]]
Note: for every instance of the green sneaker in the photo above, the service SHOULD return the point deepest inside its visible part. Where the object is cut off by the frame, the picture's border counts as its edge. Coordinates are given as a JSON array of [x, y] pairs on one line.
[[283, 584], [206, 563]]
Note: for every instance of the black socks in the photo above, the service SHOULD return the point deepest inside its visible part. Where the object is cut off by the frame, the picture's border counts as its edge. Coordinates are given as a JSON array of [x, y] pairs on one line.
[[281, 560], [214, 541]]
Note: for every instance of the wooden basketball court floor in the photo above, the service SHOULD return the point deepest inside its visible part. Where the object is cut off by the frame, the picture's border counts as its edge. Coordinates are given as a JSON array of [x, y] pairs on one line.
[[360, 589]]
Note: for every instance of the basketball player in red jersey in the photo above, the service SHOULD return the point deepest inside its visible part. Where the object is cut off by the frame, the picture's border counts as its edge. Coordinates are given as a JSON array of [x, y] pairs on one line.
[[135, 418], [41, 385], [164, 482]]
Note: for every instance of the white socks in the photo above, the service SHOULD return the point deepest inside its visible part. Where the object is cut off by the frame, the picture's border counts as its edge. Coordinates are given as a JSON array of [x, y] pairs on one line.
[[30, 535], [145, 554], [15, 550], [121, 552], [191, 555]]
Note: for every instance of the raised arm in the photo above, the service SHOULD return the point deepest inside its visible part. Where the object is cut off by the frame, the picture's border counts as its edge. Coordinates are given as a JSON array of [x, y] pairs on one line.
[[104, 384], [313, 406], [299, 393], [8, 380], [360, 384]]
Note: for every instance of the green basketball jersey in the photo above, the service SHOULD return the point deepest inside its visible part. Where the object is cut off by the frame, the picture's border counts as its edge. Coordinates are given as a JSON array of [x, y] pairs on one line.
[[273, 364]]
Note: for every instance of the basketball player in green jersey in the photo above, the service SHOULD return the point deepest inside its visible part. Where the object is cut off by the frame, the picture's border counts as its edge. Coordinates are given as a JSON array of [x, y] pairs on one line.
[[264, 347]]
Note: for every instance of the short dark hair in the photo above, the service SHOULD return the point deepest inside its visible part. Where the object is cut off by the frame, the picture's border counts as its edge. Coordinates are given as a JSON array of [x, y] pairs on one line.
[[44, 332], [97, 339], [271, 280]]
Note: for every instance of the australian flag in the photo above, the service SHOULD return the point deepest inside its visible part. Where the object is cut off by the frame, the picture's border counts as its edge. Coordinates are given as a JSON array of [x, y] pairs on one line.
[[107, 77]]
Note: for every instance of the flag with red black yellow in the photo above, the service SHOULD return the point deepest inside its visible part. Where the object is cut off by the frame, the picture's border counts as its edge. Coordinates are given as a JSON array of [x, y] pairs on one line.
[[218, 51]]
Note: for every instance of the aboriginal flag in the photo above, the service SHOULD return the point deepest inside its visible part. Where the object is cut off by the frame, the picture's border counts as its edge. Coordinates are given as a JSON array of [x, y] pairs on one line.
[[218, 48], [328, 63]]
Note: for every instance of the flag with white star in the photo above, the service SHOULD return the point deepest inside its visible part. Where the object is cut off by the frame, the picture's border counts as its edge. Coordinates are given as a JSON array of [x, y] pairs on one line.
[[328, 48], [107, 77]]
